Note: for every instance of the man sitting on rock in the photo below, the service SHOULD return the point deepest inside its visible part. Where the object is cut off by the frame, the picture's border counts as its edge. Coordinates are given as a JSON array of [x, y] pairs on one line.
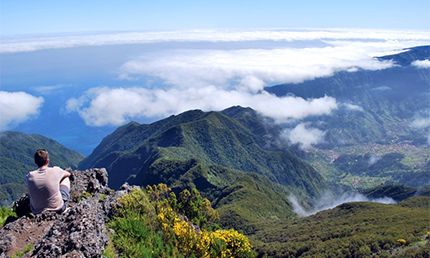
[[48, 187]]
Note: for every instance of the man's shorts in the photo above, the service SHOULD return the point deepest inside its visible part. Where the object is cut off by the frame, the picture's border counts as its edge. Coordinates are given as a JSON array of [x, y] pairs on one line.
[[65, 195]]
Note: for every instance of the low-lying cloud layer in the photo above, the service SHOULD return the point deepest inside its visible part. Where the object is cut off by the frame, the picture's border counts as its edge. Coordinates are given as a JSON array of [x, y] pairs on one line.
[[114, 106], [250, 68], [17, 107], [172, 81], [329, 201], [34, 43], [217, 69]]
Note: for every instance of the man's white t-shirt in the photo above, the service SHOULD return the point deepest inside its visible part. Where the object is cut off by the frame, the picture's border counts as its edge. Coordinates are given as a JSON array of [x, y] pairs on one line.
[[44, 189]]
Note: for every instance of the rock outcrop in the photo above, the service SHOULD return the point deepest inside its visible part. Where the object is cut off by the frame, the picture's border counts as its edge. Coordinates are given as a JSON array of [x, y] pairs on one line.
[[80, 231]]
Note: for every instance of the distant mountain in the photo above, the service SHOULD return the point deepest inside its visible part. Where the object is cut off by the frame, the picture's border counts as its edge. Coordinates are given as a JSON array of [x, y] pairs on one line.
[[385, 102], [408, 56], [224, 157], [17, 157], [371, 138], [396, 192]]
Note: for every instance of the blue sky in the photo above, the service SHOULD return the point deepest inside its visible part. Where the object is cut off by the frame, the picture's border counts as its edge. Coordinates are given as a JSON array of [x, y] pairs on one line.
[[83, 68], [35, 17]]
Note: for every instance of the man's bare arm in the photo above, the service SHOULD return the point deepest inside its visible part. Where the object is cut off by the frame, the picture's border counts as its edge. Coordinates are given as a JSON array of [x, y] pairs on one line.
[[65, 180]]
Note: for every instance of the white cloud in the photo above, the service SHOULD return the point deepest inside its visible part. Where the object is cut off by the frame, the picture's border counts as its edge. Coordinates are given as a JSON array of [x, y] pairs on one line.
[[400, 38], [421, 123], [305, 137], [373, 159], [382, 88], [353, 107], [253, 68], [17, 107], [214, 77], [217, 79], [421, 63], [114, 106], [284, 108], [328, 201], [52, 89]]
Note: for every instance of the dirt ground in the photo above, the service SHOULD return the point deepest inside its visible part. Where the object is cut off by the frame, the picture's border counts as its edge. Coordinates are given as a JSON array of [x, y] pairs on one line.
[[28, 231]]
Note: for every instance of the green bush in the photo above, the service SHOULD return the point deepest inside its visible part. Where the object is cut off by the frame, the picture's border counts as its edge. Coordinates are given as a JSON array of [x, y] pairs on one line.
[[196, 208], [5, 212]]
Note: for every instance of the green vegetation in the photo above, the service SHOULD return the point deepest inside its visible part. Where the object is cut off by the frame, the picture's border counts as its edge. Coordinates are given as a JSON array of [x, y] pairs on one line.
[[5, 212], [213, 138], [352, 230], [27, 249], [397, 192], [225, 160], [364, 166], [152, 223], [242, 199], [84, 195], [233, 158], [110, 251], [251, 202], [10, 192]]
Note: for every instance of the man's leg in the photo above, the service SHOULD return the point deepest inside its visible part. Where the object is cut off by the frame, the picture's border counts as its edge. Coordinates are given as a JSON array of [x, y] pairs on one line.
[[65, 192]]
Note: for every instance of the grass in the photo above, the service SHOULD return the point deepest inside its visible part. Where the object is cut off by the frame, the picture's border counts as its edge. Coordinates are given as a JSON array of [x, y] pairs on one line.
[[26, 249]]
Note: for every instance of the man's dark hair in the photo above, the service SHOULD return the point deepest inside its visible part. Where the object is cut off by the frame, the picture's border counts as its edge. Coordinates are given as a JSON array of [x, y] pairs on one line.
[[41, 157]]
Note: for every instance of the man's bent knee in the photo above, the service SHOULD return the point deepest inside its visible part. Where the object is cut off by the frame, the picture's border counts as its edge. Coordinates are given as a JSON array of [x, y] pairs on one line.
[[65, 193], [65, 182]]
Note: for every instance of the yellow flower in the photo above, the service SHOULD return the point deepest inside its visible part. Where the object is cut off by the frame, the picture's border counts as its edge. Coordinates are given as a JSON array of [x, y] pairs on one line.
[[161, 216], [401, 240]]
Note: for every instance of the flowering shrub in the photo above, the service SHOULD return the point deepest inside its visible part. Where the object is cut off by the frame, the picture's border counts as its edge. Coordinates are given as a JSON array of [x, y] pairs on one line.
[[189, 241], [191, 204], [196, 208], [237, 245], [155, 224]]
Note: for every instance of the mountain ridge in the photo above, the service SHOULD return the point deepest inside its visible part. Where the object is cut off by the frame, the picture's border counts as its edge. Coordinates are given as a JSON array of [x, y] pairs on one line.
[[216, 154], [194, 137]]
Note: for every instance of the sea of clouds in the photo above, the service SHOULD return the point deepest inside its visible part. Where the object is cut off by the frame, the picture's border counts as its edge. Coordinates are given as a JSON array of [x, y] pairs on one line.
[[207, 70]]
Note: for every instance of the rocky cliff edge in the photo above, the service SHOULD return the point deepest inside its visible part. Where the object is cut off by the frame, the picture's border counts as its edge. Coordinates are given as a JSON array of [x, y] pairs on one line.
[[80, 231]]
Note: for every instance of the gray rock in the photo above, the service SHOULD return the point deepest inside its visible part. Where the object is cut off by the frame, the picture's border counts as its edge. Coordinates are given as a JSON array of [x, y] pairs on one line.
[[80, 231]]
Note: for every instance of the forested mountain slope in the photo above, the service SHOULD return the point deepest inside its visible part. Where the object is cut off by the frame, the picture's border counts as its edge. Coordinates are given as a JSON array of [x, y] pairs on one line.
[[229, 162]]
